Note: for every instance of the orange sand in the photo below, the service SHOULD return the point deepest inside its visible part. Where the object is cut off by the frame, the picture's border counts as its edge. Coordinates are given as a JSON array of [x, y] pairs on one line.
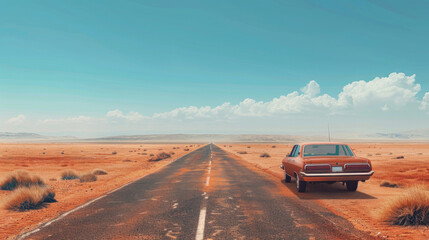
[[361, 207], [127, 165]]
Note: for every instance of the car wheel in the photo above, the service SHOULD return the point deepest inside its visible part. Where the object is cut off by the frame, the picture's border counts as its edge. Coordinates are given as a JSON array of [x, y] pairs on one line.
[[351, 185], [287, 177], [300, 185]]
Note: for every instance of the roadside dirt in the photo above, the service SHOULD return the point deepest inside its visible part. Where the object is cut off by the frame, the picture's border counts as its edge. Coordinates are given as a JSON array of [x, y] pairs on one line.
[[362, 207]]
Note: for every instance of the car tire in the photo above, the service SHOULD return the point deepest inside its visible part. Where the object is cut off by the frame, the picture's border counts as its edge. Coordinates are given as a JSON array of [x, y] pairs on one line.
[[300, 185], [352, 186], [287, 177]]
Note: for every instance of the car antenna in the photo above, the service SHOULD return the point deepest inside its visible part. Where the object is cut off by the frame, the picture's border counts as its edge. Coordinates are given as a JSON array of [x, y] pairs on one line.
[[329, 133]]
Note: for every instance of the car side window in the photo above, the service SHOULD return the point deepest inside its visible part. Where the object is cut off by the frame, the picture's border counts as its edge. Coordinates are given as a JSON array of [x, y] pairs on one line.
[[293, 151], [295, 154]]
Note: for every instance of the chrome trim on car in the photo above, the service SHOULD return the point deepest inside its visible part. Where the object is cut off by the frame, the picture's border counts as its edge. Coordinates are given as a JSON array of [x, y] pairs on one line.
[[311, 165], [339, 174]]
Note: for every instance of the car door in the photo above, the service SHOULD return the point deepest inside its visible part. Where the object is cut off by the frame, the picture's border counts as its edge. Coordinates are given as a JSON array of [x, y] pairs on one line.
[[294, 161], [290, 161]]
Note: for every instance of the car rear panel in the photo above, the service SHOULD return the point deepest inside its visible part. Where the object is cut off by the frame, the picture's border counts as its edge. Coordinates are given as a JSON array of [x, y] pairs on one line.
[[338, 165]]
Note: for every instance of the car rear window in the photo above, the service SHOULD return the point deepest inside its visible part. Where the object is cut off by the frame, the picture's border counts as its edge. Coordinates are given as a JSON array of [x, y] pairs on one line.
[[327, 150]]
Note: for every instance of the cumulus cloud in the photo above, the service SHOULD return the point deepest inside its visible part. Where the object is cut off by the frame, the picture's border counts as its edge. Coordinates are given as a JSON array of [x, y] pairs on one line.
[[394, 91], [117, 114], [309, 104], [397, 90], [17, 120], [424, 104]]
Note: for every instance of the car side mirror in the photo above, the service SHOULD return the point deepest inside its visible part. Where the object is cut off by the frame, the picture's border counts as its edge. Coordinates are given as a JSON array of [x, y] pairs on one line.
[[288, 155]]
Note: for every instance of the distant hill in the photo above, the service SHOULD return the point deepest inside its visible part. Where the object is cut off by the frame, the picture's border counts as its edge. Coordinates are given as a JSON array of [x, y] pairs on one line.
[[9, 136], [200, 138]]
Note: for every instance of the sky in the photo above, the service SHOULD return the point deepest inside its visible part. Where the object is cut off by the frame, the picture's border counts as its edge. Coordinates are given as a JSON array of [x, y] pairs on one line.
[[102, 68]]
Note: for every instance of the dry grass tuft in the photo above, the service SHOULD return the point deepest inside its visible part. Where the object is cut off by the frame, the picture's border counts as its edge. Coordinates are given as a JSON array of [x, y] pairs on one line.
[[114, 153], [242, 152], [26, 198], [20, 178], [186, 149], [160, 156], [88, 177], [69, 175], [99, 171], [273, 146], [388, 184], [410, 208], [265, 155]]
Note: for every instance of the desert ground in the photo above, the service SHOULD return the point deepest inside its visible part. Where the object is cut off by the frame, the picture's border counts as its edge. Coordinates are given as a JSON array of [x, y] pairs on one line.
[[403, 164], [124, 163]]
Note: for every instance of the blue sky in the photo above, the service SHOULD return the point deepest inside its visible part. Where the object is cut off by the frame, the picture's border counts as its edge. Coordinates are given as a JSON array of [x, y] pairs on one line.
[[64, 60]]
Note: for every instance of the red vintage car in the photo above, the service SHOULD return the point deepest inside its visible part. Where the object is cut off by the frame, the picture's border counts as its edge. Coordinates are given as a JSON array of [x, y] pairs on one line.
[[325, 162]]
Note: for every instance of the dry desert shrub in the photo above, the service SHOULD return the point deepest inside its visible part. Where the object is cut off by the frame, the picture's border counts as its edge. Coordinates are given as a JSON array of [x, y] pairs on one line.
[[186, 149], [160, 156], [69, 175], [26, 198], [388, 184], [242, 152], [114, 152], [410, 208], [248, 146], [20, 178], [265, 155], [88, 177], [99, 171], [273, 146]]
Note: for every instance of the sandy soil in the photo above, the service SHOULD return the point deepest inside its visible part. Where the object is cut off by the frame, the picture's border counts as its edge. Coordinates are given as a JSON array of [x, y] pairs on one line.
[[361, 207], [130, 163]]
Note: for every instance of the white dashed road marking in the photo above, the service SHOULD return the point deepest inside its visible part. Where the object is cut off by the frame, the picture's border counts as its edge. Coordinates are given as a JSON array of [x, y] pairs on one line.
[[203, 211]]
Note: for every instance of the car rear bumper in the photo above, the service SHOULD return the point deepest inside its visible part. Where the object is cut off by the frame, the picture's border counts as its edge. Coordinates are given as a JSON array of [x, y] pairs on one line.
[[343, 176]]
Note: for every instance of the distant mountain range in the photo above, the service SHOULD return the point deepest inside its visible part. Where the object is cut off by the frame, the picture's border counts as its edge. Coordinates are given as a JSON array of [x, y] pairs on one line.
[[201, 138], [34, 137], [30, 136]]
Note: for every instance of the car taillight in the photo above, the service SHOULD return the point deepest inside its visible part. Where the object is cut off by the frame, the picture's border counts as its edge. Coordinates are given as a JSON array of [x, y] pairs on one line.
[[317, 167], [357, 167]]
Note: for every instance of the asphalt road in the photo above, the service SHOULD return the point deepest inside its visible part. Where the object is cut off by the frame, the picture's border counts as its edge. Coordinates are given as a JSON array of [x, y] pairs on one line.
[[207, 194]]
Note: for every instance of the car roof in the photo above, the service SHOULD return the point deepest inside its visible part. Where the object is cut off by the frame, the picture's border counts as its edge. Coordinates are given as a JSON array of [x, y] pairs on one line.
[[320, 143]]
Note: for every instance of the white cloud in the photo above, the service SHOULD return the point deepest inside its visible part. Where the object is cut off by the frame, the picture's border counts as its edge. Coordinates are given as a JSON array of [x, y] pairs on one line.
[[424, 104], [312, 89], [79, 119], [132, 116], [359, 102], [16, 120], [394, 91]]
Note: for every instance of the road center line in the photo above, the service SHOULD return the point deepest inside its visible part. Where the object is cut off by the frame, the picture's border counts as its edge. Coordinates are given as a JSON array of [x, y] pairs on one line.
[[208, 180], [201, 224]]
